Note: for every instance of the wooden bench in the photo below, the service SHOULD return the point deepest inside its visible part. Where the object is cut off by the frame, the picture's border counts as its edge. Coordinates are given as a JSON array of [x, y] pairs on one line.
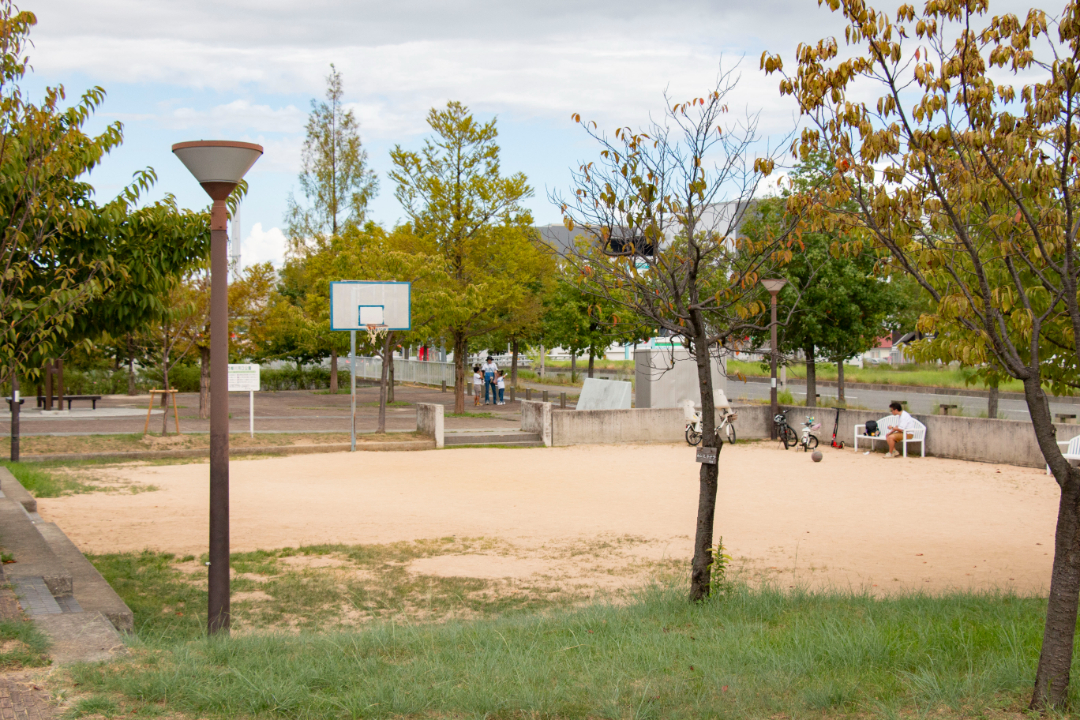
[[917, 435], [92, 398]]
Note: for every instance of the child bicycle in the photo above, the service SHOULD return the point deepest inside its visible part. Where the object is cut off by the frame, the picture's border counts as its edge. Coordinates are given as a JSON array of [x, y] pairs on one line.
[[784, 432], [808, 440]]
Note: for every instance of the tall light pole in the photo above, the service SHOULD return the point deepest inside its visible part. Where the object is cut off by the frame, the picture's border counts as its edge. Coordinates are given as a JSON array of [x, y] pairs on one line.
[[219, 166], [774, 287]]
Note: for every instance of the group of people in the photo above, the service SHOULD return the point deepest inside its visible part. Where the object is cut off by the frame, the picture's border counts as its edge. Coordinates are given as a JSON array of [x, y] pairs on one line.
[[492, 378]]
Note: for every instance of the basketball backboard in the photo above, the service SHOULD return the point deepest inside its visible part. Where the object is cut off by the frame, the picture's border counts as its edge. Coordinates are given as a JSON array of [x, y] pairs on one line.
[[355, 304]]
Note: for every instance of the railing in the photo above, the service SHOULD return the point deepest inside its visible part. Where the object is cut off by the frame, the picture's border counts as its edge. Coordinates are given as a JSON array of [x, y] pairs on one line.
[[422, 372]]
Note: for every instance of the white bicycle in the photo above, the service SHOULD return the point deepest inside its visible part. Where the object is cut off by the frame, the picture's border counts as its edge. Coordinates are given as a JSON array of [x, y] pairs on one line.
[[725, 425]]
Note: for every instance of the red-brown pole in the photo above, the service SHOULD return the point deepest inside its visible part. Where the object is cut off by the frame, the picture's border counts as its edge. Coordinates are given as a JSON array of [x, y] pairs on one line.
[[772, 391], [218, 606]]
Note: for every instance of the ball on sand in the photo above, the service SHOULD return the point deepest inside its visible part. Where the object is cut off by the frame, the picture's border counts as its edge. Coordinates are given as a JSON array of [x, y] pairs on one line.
[[816, 455]]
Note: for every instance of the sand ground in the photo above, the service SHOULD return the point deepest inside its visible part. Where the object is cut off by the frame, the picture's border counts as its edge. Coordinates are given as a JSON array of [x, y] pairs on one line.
[[852, 520]]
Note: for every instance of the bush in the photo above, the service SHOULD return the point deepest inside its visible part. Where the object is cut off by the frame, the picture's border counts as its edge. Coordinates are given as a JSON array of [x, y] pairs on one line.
[[183, 377], [309, 378]]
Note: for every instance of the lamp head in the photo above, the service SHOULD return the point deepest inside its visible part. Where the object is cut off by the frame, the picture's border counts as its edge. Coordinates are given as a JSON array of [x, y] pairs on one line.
[[774, 285], [218, 165]]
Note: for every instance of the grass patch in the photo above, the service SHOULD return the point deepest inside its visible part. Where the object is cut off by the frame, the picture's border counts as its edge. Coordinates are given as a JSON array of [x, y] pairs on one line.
[[753, 654], [912, 374], [316, 587], [43, 482], [482, 415], [22, 645]]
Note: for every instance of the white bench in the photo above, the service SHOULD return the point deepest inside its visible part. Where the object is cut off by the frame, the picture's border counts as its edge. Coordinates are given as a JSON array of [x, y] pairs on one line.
[[917, 435], [1072, 451]]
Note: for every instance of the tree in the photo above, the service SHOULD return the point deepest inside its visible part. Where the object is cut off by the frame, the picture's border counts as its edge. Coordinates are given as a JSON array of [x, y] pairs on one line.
[[46, 280], [337, 185], [469, 218], [659, 243], [837, 304], [965, 171], [576, 319]]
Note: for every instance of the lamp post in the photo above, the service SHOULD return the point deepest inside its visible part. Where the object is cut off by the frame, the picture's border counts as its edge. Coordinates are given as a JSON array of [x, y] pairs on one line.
[[773, 286], [219, 166]]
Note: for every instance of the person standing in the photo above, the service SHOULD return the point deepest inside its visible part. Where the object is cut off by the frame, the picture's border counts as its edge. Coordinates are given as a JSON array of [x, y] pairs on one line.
[[490, 372], [502, 388], [477, 381]]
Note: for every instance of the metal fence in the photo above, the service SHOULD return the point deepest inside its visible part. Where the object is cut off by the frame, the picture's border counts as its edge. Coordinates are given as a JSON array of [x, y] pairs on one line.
[[414, 371]]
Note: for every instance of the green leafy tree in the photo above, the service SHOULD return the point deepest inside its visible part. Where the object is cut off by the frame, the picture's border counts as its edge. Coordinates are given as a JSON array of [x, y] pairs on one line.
[[470, 220], [836, 304], [964, 170]]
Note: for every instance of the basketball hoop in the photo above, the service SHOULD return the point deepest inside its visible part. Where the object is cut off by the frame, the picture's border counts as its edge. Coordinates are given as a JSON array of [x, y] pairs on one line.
[[376, 331]]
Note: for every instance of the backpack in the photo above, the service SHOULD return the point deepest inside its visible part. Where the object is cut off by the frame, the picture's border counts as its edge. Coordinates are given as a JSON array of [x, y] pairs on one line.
[[871, 428]]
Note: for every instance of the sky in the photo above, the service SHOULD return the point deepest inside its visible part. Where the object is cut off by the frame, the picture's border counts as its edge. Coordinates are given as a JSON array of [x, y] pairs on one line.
[[177, 70]]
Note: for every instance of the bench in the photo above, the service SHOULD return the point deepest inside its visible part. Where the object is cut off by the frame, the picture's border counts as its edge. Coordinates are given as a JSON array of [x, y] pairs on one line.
[[1070, 450], [92, 398], [918, 434]]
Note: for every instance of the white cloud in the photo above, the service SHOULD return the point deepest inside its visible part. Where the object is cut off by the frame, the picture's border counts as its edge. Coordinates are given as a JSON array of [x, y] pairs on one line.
[[263, 246]]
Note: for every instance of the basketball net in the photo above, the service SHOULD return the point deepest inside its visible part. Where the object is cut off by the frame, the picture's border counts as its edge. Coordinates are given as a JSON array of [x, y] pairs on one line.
[[374, 333]]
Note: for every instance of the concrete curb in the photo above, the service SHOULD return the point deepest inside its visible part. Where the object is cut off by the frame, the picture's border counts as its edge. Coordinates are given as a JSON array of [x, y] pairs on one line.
[[236, 452]]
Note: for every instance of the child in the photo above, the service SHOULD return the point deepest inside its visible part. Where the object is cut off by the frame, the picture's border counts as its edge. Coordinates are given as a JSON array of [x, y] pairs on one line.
[[502, 388], [478, 383]]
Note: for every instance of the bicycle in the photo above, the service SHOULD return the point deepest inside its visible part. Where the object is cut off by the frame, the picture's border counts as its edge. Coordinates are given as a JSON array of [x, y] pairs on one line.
[[726, 425], [784, 432], [809, 441]]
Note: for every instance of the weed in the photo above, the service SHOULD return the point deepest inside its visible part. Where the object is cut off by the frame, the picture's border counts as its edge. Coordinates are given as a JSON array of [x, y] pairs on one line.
[[95, 705], [22, 645], [718, 567], [42, 482]]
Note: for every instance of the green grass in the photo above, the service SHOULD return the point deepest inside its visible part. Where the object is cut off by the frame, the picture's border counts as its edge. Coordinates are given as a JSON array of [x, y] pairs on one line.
[[914, 375], [22, 645], [754, 654], [481, 415], [40, 482], [358, 584]]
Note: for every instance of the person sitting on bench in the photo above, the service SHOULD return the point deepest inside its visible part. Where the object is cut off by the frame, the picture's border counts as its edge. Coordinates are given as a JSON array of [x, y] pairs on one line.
[[895, 433]]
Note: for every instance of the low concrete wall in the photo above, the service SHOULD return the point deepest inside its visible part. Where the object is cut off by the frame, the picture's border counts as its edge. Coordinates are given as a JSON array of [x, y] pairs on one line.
[[1010, 442], [429, 421], [587, 427], [536, 418]]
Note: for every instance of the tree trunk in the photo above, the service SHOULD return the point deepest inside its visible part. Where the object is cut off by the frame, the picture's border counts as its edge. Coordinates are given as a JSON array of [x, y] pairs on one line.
[[384, 377], [333, 371], [543, 356], [459, 372], [992, 401], [131, 364], [1055, 660], [165, 395], [590, 361], [811, 377], [701, 568], [204, 382], [573, 367], [840, 399], [390, 384], [513, 362]]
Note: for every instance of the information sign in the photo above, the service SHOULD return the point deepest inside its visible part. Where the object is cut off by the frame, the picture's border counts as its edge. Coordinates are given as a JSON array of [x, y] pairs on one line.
[[243, 378], [707, 455]]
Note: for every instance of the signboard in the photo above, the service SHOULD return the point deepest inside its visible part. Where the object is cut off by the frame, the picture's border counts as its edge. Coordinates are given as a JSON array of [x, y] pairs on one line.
[[243, 378], [707, 455]]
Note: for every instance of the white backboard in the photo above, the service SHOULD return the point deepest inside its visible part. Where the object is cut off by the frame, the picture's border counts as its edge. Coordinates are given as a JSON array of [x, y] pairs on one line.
[[355, 304], [243, 378]]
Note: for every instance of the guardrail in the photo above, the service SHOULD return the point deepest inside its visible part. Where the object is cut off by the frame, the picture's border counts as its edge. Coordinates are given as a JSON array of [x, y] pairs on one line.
[[423, 372]]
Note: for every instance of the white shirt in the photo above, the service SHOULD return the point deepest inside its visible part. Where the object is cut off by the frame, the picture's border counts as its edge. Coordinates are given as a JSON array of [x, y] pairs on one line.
[[490, 366], [477, 379], [501, 386], [904, 421]]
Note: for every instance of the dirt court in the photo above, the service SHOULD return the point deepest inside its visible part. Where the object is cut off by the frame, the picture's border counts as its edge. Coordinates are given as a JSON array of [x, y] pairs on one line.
[[853, 520]]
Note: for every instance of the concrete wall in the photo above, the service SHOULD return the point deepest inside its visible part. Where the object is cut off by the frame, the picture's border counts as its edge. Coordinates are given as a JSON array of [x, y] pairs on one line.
[[588, 427], [665, 378], [1010, 442], [429, 421], [536, 418]]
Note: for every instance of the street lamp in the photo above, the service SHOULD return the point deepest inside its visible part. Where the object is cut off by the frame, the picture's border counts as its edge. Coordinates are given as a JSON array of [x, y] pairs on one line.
[[773, 286], [219, 166]]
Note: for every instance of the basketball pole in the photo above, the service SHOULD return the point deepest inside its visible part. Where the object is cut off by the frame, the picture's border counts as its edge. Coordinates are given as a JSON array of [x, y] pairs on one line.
[[352, 384]]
